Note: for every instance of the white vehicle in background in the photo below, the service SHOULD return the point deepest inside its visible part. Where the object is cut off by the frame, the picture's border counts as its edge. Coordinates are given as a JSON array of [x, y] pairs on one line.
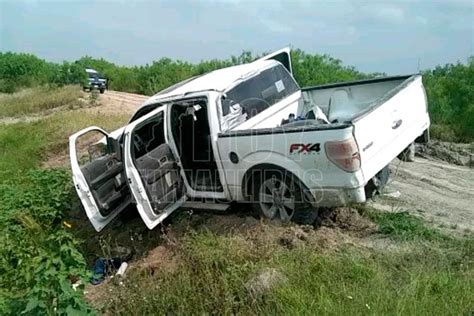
[[249, 133]]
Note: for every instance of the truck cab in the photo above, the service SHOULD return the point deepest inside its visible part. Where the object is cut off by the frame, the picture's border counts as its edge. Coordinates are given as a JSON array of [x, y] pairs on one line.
[[248, 133]]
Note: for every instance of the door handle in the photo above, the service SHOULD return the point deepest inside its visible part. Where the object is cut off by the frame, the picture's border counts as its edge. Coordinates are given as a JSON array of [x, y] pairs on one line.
[[396, 124]]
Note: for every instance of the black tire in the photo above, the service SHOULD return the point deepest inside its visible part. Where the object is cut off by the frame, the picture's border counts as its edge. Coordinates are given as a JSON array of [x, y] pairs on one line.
[[377, 183], [302, 213], [102, 90]]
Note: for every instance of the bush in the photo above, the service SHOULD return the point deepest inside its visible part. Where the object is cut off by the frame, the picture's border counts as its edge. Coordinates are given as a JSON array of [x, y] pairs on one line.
[[450, 91]]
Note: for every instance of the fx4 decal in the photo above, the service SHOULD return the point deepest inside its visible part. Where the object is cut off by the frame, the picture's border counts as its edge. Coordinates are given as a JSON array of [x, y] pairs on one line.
[[305, 148]]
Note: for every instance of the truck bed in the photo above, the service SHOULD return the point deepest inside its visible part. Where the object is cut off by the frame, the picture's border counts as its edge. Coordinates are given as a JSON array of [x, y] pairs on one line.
[[343, 102]]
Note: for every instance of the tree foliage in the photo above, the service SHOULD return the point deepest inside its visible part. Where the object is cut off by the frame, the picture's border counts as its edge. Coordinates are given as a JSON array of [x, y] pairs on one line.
[[450, 91], [449, 87]]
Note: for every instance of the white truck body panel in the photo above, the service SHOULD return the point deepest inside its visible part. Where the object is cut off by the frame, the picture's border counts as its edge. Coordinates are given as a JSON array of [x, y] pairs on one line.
[[381, 117]]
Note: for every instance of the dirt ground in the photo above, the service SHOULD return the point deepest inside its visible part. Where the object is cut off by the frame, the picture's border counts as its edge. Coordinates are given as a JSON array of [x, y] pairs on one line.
[[114, 102], [440, 192]]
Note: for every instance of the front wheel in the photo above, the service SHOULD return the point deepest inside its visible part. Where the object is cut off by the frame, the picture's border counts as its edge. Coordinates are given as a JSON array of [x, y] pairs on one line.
[[102, 90], [279, 197]]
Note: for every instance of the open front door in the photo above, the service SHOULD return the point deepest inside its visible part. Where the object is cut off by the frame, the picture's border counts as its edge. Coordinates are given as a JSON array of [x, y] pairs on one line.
[[283, 56], [98, 175], [152, 170]]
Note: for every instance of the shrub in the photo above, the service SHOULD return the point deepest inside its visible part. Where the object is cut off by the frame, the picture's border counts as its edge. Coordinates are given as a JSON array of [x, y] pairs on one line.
[[38, 258]]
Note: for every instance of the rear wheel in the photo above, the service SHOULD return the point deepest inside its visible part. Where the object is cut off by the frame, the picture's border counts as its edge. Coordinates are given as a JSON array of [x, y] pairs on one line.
[[278, 197]]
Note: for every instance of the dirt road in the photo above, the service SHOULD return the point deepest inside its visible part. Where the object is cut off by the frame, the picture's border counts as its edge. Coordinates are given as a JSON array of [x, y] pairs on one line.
[[440, 192], [119, 102]]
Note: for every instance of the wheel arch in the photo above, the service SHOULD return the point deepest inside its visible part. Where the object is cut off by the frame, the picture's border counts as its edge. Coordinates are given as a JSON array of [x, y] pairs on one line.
[[257, 170]]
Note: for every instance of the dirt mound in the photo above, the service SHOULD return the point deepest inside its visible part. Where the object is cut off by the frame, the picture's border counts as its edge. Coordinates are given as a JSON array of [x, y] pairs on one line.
[[348, 219], [458, 154], [160, 258]]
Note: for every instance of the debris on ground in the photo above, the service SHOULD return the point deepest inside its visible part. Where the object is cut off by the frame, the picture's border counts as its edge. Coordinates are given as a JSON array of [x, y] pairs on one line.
[[103, 267]]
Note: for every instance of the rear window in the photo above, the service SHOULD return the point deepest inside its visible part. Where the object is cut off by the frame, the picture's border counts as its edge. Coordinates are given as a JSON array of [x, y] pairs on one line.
[[260, 92]]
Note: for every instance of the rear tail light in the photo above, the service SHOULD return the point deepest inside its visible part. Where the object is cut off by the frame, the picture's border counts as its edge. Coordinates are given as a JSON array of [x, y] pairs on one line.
[[344, 154]]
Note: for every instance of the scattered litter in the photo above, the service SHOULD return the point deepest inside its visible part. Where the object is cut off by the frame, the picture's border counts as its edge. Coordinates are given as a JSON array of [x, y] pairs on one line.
[[76, 285], [103, 267], [66, 224], [121, 270]]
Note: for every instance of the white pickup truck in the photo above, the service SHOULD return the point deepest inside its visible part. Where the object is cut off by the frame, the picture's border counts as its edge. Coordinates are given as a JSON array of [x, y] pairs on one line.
[[250, 133]]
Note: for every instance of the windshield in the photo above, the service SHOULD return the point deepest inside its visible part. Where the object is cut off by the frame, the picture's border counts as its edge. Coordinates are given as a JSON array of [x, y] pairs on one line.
[[94, 75], [260, 92]]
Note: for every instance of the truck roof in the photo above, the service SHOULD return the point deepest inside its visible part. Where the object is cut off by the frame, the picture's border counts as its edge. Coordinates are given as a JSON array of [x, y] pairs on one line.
[[217, 80]]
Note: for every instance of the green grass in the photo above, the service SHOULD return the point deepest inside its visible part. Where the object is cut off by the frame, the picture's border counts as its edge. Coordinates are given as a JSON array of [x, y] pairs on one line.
[[25, 145], [35, 100], [403, 226], [421, 276], [39, 257]]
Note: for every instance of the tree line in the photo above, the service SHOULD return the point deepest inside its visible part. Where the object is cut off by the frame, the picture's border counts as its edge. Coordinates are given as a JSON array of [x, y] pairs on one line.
[[450, 88]]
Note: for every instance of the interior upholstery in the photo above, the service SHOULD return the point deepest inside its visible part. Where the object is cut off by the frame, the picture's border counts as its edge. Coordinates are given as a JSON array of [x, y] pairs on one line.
[[160, 174], [106, 180]]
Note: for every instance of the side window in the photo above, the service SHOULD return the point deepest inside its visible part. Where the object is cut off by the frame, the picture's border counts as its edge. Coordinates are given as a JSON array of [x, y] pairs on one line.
[[260, 92], [148, 136], [91, 146]]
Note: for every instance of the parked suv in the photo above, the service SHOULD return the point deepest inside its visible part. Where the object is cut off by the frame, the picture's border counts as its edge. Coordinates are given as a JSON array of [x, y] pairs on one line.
[[95, 81]]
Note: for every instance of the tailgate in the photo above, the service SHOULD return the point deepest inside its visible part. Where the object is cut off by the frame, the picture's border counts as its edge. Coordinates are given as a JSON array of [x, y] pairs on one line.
[[388, 127]]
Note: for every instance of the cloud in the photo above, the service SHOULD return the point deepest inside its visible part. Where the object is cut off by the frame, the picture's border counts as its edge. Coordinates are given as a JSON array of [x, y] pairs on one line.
[[379, 36], [390, 14]]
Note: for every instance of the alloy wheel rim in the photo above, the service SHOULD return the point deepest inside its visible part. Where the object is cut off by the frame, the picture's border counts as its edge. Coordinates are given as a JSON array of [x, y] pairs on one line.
[[277, 200]]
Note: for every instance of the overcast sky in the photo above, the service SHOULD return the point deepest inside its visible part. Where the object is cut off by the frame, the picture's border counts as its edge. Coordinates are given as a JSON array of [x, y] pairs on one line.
[[375, 36]]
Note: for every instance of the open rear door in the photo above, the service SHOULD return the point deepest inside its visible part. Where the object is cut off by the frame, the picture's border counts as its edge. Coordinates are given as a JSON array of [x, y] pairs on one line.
[[98, 175], [282, 55], [152, 170]]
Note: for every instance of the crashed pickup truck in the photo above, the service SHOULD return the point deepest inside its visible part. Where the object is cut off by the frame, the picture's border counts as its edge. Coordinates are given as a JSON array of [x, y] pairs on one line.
[[249, 133]]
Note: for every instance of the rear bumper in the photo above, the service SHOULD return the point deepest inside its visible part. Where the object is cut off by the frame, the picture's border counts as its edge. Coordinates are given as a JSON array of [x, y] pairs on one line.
[[329, 197]]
